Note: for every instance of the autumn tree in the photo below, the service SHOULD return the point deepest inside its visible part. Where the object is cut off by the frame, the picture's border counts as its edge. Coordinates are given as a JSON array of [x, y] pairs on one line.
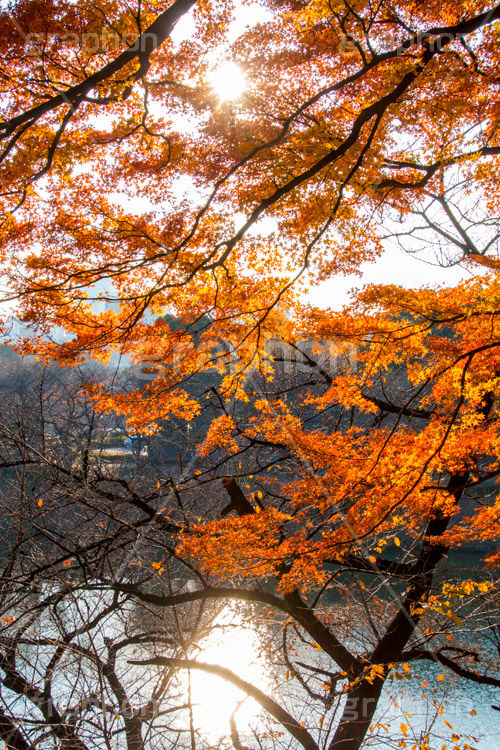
[[131, 190]]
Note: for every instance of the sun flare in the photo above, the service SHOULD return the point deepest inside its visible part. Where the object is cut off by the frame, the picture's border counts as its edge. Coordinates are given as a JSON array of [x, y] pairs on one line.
[[228, 81], [234, 645]]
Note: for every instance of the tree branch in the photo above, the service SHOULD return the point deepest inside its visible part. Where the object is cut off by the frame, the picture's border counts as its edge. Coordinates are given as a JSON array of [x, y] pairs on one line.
[[268, 704]]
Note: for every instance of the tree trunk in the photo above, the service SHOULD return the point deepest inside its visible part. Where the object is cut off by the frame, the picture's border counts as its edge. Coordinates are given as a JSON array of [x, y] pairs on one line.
[[360, 706]]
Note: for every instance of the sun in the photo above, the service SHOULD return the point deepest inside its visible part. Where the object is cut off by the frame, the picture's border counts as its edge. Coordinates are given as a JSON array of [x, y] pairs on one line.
[[228, 81]]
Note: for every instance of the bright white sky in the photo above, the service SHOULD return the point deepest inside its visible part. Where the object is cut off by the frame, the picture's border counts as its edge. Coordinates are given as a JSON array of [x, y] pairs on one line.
[[394, 267]]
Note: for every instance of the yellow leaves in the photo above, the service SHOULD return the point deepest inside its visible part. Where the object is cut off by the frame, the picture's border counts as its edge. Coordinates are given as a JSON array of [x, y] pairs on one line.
[[440, 677], [404, 728], [466, 588], [404, 674], [40, 503], [158, 567], [374, 672], [441, 603]]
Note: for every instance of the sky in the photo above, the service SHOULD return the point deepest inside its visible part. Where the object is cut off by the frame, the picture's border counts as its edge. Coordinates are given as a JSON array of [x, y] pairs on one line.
[[393, 267]]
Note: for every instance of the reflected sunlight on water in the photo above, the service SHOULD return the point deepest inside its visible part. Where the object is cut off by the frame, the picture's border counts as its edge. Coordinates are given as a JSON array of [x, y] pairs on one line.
[[234, 644]]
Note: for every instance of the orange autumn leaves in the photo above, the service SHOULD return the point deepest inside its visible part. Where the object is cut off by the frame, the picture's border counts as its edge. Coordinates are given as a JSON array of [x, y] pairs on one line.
[[164, 201], [354, 490], [171, 144]]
